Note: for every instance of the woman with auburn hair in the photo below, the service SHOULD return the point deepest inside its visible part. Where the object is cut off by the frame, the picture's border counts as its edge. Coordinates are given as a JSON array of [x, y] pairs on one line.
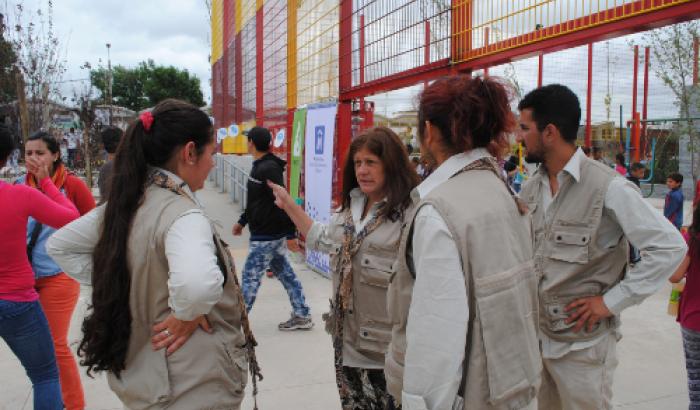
[[362, 240], [166, 320], [58, 292], [464, 296]]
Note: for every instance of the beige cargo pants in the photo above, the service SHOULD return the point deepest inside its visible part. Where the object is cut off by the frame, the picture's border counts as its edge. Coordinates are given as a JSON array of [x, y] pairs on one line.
[[581, 379]]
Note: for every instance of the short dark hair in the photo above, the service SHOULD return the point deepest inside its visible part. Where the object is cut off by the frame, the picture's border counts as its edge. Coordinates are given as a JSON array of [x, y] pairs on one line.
[[557, 105], [260, 137], [586, 150], [110, 138], [7, 143], [676, 177], [597, 150], [637, 165]]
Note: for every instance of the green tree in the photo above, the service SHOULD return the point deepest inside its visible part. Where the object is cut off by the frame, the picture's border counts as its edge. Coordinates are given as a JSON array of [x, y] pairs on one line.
[[673, 62], [170, 82], [127, 86], [147, 84], [8, 58]]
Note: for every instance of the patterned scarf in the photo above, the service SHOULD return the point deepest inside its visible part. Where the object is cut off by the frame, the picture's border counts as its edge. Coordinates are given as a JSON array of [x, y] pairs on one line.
[[224, 259], [490, 164], [351, 245], [59, 177]]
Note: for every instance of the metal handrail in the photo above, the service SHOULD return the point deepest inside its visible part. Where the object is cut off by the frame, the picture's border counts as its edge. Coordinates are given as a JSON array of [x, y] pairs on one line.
[[231, 178]]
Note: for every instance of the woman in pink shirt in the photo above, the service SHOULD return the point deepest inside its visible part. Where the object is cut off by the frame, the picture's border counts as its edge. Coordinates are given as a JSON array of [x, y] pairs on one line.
[[23, 325]]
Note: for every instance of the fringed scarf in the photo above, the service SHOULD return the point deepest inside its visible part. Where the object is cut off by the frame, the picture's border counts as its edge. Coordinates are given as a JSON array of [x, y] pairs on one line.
[[351, 245]]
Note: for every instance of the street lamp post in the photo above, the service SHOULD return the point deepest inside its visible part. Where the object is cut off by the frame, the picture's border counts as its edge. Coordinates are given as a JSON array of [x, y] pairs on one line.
[[109, 83]]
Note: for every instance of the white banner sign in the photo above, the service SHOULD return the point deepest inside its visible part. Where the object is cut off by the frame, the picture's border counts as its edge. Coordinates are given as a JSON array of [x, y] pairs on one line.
[[318, 175]]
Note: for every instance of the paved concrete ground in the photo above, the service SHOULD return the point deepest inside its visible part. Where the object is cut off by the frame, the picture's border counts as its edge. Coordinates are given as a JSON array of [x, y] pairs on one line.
[[298, 366]]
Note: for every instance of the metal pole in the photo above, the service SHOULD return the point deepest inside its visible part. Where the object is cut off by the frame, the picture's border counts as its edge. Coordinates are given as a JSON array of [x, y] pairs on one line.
[[634, 80], [486, 47], [621, 134], [426, 54], [645, 100], [696, 47], [635, 135], [109, 83], [540, 66], [589, 96]]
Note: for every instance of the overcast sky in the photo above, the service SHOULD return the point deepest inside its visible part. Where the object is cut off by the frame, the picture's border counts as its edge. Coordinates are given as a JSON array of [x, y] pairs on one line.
[[176, 32], [171, 32]]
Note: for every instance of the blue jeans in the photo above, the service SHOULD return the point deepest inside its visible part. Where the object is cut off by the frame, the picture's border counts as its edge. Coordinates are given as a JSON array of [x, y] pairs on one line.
[[272, 255], [24, 328]]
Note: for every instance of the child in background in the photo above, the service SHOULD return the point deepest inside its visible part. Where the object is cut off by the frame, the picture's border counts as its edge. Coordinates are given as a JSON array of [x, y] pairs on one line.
[[673, 207], [637, 171]]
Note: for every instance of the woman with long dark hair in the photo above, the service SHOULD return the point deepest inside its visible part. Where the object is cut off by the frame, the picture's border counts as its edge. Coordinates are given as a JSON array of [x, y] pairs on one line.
[[58, 293], [23, 324], [362, 239], [167, 320]]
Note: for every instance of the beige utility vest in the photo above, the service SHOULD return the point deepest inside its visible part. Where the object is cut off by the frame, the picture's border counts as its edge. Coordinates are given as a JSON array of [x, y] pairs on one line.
[[367, 327], [210, 370], [568, 256], [503, 364]]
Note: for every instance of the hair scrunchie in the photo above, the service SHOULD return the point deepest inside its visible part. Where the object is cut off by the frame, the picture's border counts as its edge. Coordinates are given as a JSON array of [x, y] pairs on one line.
[[147, 120]]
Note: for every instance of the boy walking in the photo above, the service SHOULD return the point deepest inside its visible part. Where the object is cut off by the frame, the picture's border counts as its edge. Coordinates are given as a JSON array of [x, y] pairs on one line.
[[673, 207], [270, 227]]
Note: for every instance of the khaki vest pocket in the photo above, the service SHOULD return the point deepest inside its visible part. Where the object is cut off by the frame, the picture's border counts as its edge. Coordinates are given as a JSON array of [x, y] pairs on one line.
[[235, 367], [571, 245], [146, 381], [506, 310], [376, 270], [373, 336]]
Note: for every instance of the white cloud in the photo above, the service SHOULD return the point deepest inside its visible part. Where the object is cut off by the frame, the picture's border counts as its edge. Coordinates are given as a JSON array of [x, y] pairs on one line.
[[171, 32]]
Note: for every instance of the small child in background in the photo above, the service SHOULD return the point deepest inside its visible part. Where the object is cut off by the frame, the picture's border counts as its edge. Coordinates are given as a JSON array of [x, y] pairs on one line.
[[637, 171], [673, 207]]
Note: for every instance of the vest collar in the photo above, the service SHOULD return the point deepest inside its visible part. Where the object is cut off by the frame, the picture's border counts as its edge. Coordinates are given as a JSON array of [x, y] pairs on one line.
[[447, 170], [573, 167]]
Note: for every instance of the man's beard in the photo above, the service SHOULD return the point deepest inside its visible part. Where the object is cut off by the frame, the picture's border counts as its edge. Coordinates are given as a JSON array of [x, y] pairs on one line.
[[532, 158]]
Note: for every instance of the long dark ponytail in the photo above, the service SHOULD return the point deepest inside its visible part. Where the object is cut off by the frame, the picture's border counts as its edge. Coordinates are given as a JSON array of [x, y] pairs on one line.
[[107, 327]]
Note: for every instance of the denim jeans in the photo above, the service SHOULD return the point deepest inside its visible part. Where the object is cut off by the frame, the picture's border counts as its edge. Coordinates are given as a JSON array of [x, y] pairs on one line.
[[24, 328], [272, 255]]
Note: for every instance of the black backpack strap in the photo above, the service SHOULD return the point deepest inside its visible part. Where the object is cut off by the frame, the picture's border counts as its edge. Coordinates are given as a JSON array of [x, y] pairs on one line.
[[33, 239]]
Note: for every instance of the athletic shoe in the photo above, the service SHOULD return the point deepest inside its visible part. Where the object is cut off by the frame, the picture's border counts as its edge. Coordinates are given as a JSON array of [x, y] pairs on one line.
[[297, 323]]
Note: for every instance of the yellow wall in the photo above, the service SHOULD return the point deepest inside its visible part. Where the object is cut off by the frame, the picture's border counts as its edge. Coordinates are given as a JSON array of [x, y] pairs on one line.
[[217, 30]]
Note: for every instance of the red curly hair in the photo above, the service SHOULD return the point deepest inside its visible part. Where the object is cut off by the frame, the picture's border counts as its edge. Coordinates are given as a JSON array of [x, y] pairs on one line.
[[469, 112]]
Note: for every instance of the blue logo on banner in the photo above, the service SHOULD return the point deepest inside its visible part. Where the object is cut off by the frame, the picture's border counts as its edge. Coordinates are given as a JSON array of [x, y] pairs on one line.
[[320, 136]]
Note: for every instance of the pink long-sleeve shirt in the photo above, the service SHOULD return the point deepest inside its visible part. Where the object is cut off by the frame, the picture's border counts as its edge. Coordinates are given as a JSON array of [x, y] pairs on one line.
[[17, 203]]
